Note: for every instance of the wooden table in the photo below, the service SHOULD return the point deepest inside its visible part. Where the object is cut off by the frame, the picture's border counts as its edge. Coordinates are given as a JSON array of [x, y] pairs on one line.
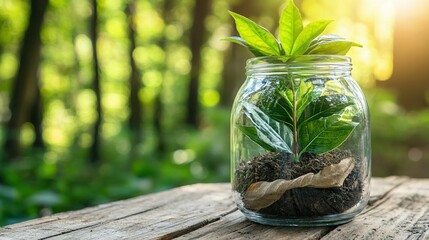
[[398, 209]]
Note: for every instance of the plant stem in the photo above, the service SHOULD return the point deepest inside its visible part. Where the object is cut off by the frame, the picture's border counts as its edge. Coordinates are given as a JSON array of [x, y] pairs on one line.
[[295, 147]]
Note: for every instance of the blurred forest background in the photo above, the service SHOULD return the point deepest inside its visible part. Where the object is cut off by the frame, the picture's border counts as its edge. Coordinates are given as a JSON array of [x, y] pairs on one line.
[[107, 99]]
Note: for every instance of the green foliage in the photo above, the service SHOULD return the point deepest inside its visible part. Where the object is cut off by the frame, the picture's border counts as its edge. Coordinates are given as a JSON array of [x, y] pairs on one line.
[[325, 134], [268, 133], [400, 138], [300, 119], [330, 44], [255, 36], [280, 125], [242, 42], [307, 35], [294, 39], [61, 179], [290, 27]]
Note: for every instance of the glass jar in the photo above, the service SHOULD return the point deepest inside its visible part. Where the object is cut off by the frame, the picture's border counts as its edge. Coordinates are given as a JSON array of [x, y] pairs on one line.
[[300, 142]]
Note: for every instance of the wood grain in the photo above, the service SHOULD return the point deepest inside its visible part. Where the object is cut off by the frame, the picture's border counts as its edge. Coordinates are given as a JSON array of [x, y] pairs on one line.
[[403, 213], [398, 209], [154, 215]]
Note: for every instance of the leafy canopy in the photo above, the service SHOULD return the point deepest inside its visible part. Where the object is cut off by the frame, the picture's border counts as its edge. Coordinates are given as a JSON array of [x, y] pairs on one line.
[[294, 39]]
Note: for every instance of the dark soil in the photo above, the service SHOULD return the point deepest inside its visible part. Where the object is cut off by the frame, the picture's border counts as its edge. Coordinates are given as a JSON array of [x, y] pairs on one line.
[[302, 201]]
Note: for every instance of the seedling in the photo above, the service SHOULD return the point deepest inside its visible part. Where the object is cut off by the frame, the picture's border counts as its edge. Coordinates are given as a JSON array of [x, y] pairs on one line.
[[294, 39], [296, 117]]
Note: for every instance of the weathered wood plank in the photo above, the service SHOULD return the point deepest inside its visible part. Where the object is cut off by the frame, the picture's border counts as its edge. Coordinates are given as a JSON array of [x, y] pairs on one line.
[[162, 211], [403, 213], [382, 186], [235, 225], [201, 206], [207, 211]]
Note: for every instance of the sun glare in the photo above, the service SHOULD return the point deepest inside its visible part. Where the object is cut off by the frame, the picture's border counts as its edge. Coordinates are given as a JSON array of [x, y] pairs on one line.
[[404, 5], [368, 22]]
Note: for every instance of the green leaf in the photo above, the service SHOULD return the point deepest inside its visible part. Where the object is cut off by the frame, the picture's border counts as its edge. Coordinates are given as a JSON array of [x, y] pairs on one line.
[[304, 95], [269, 131], [322, 39], [256, 36], [243, 43], [325, 134], [324, 106], [282, 108], [308, 33], [338, 48], [290, 26], [252, 133], [277, 106], [331, 44]]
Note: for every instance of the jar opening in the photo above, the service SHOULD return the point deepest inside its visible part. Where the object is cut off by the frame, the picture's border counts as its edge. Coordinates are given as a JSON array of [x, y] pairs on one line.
[[298, 64]]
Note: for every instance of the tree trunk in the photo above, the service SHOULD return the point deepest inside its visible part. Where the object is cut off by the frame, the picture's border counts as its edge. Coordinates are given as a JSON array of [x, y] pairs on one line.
[[201, 10], [158, 113], [76, 82], [135, 119], [37, 118], [95, 147], [24, 87]]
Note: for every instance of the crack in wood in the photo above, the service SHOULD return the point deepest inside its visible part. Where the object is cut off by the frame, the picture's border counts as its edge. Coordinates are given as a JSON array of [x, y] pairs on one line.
[[374, 200], [101, 223], [323, 232], [65, 215], [373, 203], [196, 226], [420, 227], [401, 212]]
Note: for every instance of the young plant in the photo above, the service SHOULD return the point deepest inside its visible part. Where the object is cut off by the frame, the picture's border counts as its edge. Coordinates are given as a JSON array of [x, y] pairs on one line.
[[295, 117], [294, 39]]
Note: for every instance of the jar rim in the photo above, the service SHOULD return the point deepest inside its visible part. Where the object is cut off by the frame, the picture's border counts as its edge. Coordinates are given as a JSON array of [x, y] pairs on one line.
[[301, 63]]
